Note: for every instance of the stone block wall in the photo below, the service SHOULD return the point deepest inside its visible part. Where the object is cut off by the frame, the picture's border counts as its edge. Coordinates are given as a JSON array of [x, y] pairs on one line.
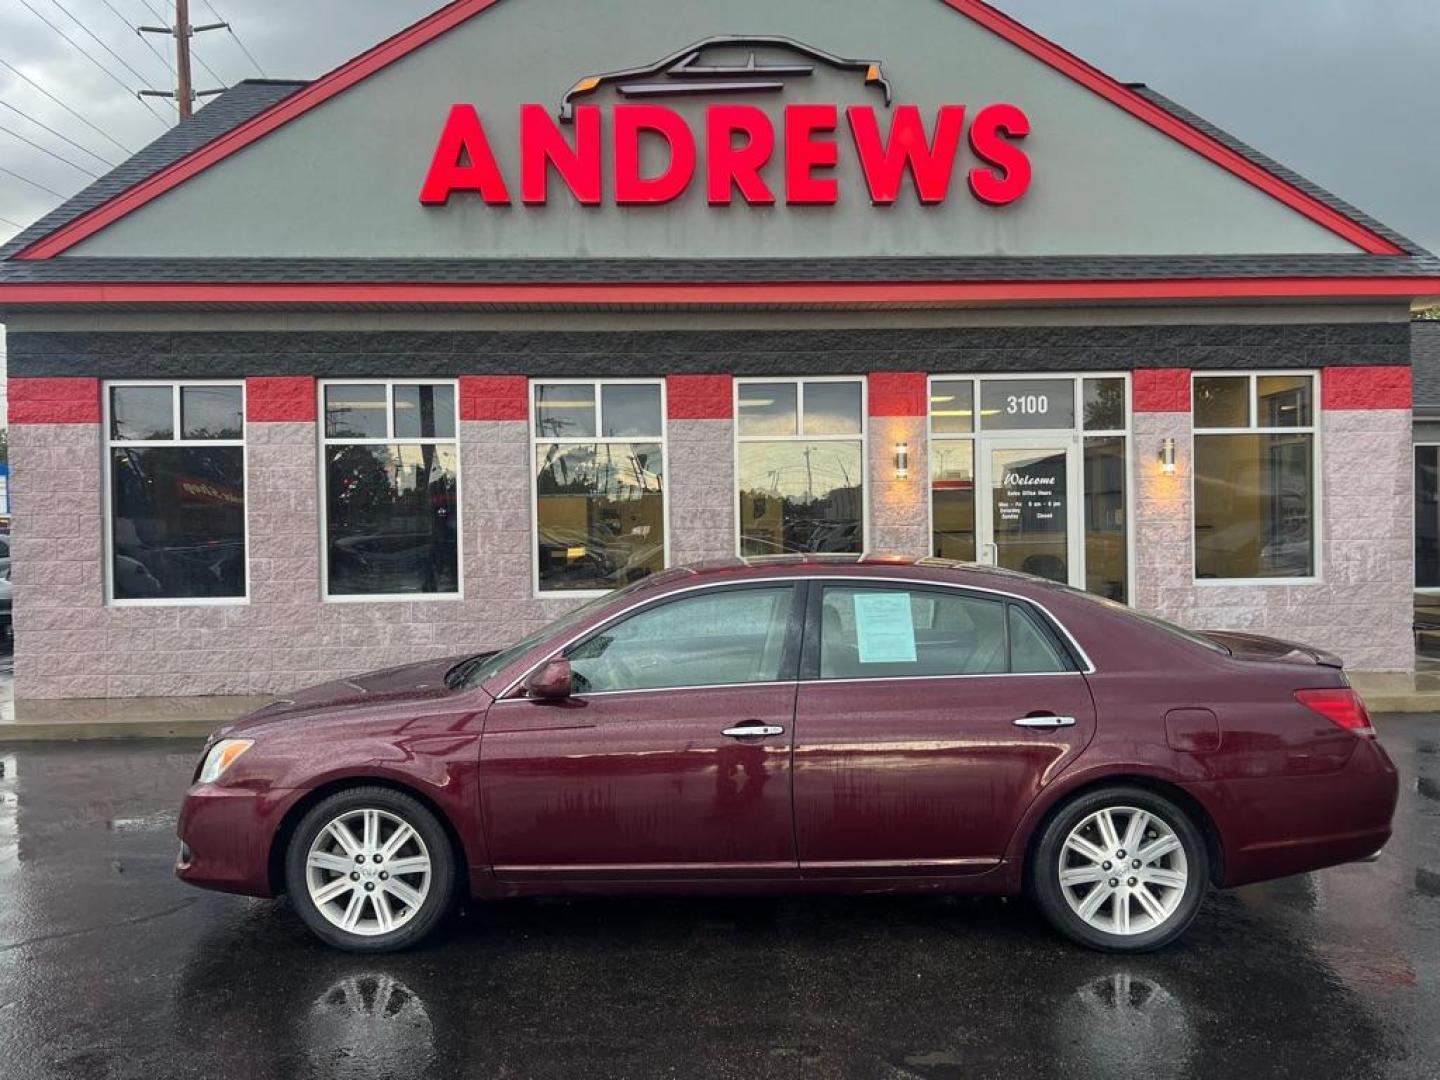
[[69, 643], [1360, 605]]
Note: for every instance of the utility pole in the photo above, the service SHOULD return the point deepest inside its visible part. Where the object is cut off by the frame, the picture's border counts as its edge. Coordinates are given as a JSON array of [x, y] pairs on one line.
[[184, 92]]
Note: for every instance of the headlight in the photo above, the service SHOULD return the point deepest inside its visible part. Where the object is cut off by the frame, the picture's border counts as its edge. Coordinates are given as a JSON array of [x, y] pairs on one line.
[[222, 755]]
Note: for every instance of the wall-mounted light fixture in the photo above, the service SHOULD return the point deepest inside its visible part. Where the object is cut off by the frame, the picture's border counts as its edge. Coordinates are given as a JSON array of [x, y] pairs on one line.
[[902, 461], [1167, 457]]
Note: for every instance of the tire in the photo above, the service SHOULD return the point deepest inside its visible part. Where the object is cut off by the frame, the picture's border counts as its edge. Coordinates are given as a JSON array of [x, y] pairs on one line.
[[1130, 909], [348, 898]]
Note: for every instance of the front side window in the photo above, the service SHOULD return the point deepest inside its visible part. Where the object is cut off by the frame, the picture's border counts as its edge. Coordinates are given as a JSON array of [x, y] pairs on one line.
[[176, 478], [801, 466], [392, 491], [1254, 476], [713, 639], [909, 633], [599, 484]]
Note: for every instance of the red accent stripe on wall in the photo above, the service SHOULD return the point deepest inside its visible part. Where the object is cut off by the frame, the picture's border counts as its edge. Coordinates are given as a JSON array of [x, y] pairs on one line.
[[286, 399], [699, 397], [1161, 390], [899, 393], [55, 401], [494, 397], [1367, 388]]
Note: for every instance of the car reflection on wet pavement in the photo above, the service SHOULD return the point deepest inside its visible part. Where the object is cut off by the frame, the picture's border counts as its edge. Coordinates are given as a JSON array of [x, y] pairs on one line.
[[111, 968]]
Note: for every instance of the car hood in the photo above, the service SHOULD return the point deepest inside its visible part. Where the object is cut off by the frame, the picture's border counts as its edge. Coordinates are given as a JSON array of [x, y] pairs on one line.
[[411, 682]]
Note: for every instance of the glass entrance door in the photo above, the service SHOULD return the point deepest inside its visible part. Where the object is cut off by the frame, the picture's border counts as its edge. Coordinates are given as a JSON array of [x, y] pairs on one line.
[[1029, 505]]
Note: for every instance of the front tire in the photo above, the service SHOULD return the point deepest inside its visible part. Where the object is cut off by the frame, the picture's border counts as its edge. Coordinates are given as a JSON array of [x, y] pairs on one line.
[[370, 870], [1120, 869]]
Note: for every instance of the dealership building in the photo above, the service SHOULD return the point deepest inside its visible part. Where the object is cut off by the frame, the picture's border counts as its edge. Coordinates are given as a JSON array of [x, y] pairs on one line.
[[541, 296]]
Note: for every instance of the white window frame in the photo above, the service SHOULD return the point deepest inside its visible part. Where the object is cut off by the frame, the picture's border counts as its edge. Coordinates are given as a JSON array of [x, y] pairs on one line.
[[863, 435], [324, 443], [1077, 430], [1423, 590], [177, 431], [1317, 514], [537, 439]]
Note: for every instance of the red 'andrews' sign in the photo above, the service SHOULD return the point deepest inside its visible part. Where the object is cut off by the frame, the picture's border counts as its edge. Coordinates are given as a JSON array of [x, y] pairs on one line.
[[740, 142]]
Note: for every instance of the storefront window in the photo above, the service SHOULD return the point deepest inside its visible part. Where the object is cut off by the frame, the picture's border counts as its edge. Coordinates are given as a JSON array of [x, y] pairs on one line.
[[176, 485], [600, 502], [801, 459], [1254, 476], [392, 491]]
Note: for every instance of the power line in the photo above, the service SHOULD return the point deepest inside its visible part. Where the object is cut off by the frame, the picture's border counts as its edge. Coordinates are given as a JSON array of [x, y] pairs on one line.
[[143, 39], [7, 221], [52, 131], [81, 50], [52, 153], [233, 34], [97, 39], [32, 183], [98, 130]]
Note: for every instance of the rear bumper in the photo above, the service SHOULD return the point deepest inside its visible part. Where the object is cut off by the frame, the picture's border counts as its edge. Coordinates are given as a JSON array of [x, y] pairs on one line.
[[225, 837], [1277, 826]]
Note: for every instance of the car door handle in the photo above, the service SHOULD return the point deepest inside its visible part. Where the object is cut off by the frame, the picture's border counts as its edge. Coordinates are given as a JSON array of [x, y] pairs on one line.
[[753, 731], [1045, 721]]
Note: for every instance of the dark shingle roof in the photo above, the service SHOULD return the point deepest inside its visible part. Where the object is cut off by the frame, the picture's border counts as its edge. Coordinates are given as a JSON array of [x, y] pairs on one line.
[[1425, 356], [226, 112], [694, 271]]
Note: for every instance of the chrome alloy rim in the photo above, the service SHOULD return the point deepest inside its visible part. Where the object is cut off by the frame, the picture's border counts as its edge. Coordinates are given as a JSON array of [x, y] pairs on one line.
[[1123, 870], [368, 872]]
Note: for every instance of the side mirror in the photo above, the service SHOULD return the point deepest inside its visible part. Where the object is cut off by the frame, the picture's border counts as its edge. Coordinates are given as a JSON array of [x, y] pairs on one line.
[[550, 682]]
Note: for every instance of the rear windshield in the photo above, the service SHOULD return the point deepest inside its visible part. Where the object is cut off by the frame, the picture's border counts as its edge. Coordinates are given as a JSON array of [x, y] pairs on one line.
[[1151, 620]]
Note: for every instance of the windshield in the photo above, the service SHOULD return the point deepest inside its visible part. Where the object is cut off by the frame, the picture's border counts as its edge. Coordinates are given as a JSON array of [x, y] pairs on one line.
[[477, 669]]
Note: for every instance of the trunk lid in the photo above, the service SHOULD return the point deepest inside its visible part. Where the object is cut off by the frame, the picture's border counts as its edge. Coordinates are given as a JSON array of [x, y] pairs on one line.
[[1263, 649]]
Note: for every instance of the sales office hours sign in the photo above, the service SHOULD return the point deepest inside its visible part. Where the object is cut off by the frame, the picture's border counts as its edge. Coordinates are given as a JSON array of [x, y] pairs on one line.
[[747, 156]]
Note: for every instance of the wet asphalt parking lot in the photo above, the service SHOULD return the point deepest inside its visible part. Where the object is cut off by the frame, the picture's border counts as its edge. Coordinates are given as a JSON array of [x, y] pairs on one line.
[[111, 968]]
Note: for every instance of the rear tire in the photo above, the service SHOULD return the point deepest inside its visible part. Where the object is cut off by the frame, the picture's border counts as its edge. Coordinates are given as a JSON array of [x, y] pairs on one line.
[[370, 870], [1120, 869]]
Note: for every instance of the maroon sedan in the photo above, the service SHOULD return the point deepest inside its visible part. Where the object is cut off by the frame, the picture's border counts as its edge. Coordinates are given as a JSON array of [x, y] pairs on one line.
[[871, 724]]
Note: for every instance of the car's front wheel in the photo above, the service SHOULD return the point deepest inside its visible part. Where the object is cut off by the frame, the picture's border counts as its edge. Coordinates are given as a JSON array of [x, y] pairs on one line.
[[370, 869], [1121, 869]]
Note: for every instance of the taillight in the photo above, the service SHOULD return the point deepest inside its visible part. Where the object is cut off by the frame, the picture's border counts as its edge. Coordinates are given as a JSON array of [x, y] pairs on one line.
[[1342, 707]]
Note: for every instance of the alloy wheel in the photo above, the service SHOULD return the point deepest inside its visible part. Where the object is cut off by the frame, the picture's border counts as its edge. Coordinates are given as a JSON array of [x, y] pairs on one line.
[[368, 872], [1123, 870]]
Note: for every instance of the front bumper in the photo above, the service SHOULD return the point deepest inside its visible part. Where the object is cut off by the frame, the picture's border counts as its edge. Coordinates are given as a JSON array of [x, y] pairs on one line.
[[226, 835]]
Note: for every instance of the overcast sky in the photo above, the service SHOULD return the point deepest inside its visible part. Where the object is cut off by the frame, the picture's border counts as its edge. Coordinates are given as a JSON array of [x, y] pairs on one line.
[[1345, 91]]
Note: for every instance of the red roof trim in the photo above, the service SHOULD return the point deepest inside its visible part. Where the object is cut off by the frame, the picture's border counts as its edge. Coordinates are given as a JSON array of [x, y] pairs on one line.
[[774, 294], [1118, 93], [447, 18]]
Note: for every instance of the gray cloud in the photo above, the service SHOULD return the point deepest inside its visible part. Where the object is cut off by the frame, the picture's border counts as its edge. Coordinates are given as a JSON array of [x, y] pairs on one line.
[[1344, 91]]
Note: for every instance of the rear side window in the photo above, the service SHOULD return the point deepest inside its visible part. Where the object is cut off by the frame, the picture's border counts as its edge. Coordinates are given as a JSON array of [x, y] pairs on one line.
[[712, 639], [908, 633]]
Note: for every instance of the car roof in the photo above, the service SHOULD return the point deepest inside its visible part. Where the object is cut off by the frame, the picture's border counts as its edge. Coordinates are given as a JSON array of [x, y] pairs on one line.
[[823, 564]]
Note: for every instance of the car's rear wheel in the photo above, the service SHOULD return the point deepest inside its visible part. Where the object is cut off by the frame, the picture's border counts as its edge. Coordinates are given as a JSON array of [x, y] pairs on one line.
[[1121, 869], [370, 869]]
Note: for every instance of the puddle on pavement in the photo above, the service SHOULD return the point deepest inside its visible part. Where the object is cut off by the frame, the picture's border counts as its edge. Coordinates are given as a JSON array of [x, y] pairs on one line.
[[1427, 882], [1429, 789]]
